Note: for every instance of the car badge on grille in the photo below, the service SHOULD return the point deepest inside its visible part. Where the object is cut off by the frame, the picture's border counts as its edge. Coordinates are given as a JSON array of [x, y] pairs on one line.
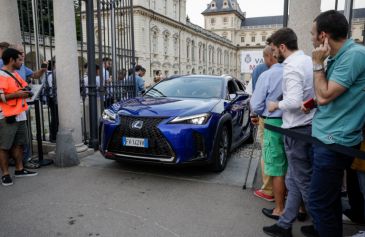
[[138, 124]]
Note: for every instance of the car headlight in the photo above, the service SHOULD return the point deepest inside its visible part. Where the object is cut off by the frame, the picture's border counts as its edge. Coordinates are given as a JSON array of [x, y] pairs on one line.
[[198, 119], [109, 115]]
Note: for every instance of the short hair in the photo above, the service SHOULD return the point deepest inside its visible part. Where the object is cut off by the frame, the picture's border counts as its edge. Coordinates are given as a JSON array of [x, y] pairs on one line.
[[157, 72], [138, 68], [107, 59], [143, 69], [4, 45], [285, 36], [9, 54], [333, 23]]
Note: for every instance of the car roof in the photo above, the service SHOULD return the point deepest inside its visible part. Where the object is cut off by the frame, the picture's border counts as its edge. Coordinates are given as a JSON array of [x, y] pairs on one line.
[[225, 77]]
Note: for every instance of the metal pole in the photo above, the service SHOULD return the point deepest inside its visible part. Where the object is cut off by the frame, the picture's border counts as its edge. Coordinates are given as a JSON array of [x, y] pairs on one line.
[[114, 55], [91, 73], [100, 53], [348, 14], [286, 10], [35, 27], [336, 5], [132, 41]]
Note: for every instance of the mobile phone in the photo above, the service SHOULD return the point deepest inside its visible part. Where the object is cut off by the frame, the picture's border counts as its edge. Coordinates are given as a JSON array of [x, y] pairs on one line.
[[44, 65], [309, 104]]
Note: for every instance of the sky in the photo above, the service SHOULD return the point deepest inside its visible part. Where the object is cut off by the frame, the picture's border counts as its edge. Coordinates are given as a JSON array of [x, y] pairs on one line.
[[253, 8]]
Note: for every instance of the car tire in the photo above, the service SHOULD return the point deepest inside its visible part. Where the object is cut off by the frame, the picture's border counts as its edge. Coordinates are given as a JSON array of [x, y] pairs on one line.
[[221, 150]]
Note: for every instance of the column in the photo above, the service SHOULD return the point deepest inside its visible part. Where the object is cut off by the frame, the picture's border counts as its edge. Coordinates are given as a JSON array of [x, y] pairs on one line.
[[68, 92], [10, 26], [301, 16]]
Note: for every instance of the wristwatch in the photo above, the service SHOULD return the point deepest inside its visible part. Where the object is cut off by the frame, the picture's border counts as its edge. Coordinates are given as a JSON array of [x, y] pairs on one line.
[[317, 67]]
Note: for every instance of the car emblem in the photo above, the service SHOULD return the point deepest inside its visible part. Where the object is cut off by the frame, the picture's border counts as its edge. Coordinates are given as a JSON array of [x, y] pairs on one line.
[[138, 124]]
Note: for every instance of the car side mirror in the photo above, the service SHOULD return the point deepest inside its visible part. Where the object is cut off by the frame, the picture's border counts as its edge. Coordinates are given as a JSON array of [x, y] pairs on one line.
[[232, 96]]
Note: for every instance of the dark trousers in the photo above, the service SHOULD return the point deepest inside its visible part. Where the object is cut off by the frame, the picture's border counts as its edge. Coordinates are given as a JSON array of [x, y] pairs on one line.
[[53, 124], [325, 190]]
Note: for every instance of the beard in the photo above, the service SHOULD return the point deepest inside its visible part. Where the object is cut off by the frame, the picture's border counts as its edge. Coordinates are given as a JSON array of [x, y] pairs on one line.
[[280, 59]]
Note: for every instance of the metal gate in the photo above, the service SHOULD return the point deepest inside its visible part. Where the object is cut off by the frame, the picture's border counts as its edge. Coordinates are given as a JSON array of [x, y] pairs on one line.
[[110, 40]]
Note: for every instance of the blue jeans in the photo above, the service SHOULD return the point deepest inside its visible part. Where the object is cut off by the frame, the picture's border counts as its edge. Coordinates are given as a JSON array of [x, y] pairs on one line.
[[361, 176], [325, 190]]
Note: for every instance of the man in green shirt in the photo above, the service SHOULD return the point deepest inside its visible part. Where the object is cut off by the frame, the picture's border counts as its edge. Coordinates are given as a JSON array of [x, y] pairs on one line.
[[340, 95]]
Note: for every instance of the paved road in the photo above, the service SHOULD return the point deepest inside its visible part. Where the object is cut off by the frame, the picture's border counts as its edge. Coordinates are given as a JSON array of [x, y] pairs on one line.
[[105, 198]]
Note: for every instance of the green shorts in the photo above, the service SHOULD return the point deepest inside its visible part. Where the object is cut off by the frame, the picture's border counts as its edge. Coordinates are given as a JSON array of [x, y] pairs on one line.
[[275, 162], [12, 134]]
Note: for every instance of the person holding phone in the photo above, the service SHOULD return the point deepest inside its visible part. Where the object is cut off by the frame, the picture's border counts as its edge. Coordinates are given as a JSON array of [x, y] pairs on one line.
[[297, 87], [339, 90]]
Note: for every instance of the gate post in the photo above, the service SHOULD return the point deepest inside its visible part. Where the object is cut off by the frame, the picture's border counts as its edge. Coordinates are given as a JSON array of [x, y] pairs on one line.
[[10, 31], [67, 72]]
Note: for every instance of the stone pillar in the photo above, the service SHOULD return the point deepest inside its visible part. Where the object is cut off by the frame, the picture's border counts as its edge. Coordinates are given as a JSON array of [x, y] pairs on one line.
[[68, 91], [301, 16], [10, 25]]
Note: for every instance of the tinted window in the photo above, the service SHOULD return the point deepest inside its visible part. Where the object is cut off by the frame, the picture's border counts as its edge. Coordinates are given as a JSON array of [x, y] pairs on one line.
[[188, 87]]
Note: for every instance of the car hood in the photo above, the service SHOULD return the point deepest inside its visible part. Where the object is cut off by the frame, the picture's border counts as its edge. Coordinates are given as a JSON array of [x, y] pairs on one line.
[[164, 107]]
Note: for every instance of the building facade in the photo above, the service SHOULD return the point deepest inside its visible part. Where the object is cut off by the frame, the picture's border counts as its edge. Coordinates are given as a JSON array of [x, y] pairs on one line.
[[166, 40]]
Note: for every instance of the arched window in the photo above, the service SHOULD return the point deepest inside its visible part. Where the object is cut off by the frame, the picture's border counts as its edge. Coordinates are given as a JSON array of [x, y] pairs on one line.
[[154, 35], [166, 35]]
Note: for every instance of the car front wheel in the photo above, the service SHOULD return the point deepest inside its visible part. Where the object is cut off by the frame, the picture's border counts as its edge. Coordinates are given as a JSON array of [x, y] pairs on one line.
[[221, 150]]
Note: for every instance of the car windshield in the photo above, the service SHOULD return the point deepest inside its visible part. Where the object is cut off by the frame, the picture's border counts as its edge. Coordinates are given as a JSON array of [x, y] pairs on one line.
[[188, 87]]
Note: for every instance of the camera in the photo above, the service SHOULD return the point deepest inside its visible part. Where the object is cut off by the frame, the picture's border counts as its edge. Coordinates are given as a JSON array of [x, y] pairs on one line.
[[29, 90]]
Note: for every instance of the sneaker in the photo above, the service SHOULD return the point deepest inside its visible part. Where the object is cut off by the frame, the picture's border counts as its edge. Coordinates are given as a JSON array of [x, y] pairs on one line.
[[259, 193], [6, 180], [309, 231], [277, 231], [24, 173], [31, 165]]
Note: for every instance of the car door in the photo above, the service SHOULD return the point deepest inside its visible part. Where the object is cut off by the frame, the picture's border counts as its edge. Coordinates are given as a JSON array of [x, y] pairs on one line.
[[236, 103], [245, 107]]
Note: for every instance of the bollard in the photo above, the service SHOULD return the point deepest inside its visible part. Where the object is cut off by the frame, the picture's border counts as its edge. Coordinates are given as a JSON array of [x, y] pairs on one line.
[[66, 155]]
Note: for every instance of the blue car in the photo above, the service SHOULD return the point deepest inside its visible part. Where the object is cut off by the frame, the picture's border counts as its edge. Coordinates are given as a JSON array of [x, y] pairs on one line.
[[181, 120]]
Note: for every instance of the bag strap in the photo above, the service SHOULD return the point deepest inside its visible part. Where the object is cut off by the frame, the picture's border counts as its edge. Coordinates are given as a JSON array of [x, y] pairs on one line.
[[12, 76], [309, 139]]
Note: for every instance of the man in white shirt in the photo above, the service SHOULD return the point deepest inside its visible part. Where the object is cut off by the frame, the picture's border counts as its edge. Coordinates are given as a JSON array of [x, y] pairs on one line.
[[297, 87]]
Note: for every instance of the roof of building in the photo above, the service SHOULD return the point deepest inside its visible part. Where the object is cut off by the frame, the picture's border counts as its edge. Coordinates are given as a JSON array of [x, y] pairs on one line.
[[266, 20], [232, 6], [278, 20]]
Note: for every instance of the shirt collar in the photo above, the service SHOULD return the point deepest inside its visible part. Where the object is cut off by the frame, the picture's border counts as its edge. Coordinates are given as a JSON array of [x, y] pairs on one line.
[[348, 43], [292, 56]]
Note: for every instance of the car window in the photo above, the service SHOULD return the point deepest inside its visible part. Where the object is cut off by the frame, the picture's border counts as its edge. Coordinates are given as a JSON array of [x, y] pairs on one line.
[[241, 87], [231, 86], [188, 87]]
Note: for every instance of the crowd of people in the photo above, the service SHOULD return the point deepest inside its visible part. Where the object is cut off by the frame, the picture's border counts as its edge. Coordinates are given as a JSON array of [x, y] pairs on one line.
[[318, 102]]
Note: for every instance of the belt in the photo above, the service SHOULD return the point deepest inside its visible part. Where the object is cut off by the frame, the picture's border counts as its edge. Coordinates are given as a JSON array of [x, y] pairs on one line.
[[264, 117]]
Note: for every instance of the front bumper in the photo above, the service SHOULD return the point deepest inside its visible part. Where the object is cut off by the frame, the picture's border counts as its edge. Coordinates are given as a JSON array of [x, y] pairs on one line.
[[168, 143]]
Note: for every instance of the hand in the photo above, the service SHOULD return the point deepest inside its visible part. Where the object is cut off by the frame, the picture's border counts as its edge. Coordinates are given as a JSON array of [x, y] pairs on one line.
[[255, 120], [272, 106], [21, 94], [320, 53], [304, 109]]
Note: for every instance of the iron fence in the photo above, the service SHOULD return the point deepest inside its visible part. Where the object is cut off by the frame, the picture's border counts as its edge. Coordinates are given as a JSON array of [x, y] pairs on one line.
[[113, 56]]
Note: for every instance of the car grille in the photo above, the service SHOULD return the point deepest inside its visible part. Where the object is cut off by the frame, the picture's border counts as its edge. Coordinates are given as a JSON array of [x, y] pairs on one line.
[[158, 146]]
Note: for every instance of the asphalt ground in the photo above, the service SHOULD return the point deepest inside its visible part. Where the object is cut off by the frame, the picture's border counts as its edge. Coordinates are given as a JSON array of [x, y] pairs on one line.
[[106, 198]]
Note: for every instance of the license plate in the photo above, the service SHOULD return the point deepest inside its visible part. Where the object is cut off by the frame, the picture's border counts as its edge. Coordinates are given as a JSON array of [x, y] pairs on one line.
[[136, 142]]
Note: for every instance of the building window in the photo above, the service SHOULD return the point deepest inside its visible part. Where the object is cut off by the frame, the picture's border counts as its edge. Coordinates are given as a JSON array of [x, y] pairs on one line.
[[212, 21], [176, 46], [225, 20], [263, 38], [175, 9], [193, 50], [154, 42], [224, 34], [165, 7], [166, 43], [253, 38], [242, 39]]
